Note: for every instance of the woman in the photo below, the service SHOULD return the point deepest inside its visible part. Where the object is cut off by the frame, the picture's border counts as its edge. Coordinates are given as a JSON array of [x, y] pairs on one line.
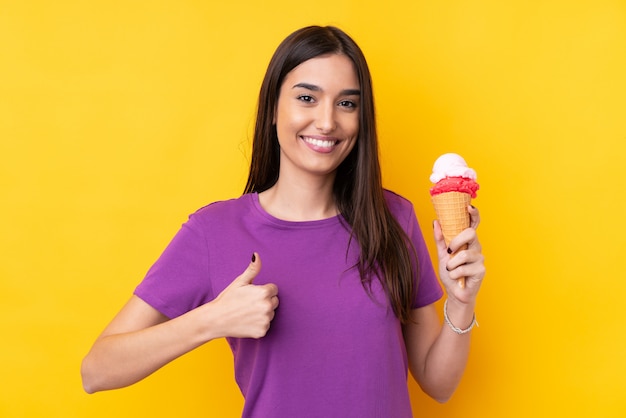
[[345, 257]]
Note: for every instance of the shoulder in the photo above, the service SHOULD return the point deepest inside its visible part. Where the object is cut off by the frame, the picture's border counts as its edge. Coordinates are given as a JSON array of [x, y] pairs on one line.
[[225, 207], [399, 206], [222, 211]]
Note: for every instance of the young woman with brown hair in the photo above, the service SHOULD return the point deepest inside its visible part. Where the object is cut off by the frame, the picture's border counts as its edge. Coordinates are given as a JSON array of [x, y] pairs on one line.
[[345, 257]]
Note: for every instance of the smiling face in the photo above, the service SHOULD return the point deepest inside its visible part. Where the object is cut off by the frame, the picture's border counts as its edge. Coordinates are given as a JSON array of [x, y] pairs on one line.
[[317, 116]]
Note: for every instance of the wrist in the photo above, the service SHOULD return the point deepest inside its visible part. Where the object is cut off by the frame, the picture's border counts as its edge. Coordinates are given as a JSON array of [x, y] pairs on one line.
[[459, 317], [205, 324]]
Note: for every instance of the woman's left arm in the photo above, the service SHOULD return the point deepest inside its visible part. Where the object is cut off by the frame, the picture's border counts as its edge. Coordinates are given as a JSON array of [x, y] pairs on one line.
[[438, 352]]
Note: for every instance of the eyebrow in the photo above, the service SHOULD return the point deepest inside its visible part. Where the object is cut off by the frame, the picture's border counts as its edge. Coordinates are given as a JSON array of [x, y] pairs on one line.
[[313, 87]]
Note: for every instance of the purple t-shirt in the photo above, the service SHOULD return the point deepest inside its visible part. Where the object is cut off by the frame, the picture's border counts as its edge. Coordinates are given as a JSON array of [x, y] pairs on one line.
[[332, 350]]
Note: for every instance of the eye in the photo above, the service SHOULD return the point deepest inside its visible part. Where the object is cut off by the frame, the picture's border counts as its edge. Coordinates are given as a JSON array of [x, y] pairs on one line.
[[306, 98], [348, 104]]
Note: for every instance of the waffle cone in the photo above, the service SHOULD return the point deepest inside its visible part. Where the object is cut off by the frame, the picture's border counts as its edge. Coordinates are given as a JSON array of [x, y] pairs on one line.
[[451, 209]]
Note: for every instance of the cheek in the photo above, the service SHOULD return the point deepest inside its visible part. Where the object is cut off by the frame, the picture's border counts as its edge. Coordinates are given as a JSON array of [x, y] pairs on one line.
[[352, 145], [291, 124], [353, 133], [352, 126]]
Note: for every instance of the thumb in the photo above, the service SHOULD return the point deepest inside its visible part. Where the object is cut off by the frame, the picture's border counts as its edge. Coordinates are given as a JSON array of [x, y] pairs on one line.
[[440, 242], [247, 277]]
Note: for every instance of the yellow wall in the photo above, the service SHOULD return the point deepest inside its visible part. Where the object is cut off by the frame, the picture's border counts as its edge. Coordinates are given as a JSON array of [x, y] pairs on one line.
[[118, 119]]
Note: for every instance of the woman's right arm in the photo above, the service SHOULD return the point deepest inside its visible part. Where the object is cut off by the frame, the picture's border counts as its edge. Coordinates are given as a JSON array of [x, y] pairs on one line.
[[140, 340]]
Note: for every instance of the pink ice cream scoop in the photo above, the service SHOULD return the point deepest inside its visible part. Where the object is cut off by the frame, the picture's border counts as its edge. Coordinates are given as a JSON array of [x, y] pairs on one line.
[[451, 174]]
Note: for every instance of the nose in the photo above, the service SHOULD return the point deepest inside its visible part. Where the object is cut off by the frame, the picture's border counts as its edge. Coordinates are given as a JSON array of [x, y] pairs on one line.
[[325, 121]]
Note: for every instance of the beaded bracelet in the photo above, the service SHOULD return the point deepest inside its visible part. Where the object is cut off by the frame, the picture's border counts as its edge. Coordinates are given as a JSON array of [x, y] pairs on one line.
[[456, 329]]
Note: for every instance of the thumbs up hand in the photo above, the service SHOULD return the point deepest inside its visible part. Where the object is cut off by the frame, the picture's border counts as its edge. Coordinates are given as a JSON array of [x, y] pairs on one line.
[[243, 309]]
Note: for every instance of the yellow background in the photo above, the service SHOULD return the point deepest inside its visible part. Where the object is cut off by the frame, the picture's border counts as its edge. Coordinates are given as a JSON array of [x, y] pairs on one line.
[[119, 118]]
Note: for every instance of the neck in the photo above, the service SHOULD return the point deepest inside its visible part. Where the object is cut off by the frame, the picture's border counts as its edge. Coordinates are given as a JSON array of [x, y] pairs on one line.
[[300, 201]]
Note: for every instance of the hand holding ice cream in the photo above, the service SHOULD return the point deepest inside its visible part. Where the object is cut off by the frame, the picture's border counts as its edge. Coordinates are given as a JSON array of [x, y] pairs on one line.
[[455, 186]]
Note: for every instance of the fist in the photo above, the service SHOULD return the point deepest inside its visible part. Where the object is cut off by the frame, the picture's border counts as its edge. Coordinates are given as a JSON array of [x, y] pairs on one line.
[[246, 310]]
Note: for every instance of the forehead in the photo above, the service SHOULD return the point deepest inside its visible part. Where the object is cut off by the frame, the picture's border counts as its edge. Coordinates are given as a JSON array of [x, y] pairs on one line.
[[333, 70]]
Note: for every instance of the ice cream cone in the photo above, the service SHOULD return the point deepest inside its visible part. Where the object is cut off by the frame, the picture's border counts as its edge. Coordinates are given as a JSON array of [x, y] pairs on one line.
[[451, 209]]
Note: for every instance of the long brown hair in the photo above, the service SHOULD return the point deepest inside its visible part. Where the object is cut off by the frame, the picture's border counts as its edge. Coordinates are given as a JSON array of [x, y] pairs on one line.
[[386, 252]]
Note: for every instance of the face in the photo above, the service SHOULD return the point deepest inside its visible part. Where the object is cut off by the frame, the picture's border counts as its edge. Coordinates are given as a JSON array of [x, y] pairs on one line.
[[317, 116]]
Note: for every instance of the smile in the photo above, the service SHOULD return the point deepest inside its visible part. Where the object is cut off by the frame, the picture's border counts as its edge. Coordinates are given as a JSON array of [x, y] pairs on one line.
[[322, 143]]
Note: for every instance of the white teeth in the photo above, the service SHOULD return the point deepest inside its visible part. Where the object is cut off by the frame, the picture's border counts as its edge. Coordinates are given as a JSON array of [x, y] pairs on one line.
[[319, 142]]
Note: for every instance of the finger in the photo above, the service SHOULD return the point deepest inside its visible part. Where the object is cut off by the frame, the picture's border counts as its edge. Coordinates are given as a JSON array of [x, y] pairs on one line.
[[247, 277], [272, 289], [474, 216], [466, 239], [455, 261], [465, 263], [440, 242], [275, 302]]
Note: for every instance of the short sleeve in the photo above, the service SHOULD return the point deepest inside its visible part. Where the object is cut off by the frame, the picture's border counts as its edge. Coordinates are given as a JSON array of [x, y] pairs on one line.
[[428, 289], [179, 280]]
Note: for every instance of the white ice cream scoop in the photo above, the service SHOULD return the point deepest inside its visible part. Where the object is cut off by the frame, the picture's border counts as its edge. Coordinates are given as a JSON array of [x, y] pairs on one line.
[[451, 165]]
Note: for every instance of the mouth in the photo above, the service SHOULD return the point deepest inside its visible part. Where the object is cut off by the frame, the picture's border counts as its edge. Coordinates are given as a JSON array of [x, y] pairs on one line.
[[319, 143]]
